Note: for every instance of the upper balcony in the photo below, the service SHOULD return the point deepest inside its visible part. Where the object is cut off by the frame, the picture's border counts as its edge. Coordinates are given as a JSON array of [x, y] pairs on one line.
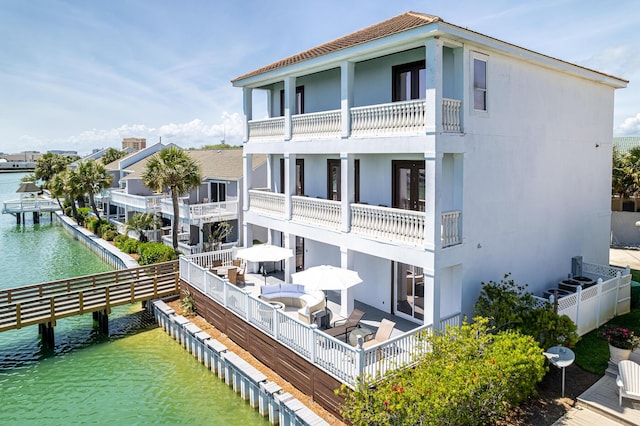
[[373, 222], [395, 118], [202, 212], [142, 203]]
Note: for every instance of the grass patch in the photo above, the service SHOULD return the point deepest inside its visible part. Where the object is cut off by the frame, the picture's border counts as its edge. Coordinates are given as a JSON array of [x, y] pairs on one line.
[[592, 351]]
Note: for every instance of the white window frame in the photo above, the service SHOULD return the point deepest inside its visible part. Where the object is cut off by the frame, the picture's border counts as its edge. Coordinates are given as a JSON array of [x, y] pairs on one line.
[[473, 57]]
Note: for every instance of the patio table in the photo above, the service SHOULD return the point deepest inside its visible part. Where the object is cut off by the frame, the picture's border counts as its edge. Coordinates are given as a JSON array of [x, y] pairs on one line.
[[561, 357]]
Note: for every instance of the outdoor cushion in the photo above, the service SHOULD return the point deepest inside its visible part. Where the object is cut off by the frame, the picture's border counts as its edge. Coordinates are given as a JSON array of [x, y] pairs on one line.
[[267, 290]]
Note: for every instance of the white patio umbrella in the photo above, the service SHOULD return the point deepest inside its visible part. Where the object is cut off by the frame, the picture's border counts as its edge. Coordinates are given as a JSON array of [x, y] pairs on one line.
[[264, 253], [326, 277]]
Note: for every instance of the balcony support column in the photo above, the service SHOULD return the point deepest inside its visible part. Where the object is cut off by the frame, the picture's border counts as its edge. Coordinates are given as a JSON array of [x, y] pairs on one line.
[[289, 106], [247, 182], [347, 72], [346, 296], [247, 105], [289, 183], [433, 96], [290, 263], [347, 190]]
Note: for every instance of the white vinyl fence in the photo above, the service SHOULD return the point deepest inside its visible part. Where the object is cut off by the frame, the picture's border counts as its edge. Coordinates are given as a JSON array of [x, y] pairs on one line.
[[594, 306]]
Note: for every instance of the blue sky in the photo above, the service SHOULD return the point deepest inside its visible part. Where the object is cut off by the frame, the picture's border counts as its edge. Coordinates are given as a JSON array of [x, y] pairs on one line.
[[80, 75]]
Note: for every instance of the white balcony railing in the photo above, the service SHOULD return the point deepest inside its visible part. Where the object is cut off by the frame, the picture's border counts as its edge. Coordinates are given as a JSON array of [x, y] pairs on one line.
[[384, 223], [317, 124], [147, 204], [316, 211], [380, 223], [451, 115], [270, 128], [403, 118], [265, 202], [385, 119], [450, 231]]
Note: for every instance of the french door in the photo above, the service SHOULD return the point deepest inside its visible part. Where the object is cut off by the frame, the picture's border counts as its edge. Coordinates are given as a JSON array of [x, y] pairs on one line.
[[408, 185]]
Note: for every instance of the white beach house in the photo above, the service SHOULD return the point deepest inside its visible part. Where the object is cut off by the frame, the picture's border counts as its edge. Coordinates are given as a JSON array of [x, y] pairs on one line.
[[429, 157]]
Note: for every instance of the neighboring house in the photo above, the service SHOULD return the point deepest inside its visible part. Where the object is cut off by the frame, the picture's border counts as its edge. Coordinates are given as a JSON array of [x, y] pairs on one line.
[[215, 200], [430, 158], [96, 155]]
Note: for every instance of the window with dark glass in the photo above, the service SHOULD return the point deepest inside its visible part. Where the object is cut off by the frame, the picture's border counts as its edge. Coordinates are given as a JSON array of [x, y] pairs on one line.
[[299, 109], [479, 84], [409, 81]]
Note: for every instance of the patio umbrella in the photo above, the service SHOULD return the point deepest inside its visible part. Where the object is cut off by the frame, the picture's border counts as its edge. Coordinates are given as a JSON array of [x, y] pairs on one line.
[[326, 277], [264, 253]]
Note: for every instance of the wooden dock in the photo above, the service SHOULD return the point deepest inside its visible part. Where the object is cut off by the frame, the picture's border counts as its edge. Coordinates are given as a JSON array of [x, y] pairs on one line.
[[46, 303], [35, 206], [598, 405]]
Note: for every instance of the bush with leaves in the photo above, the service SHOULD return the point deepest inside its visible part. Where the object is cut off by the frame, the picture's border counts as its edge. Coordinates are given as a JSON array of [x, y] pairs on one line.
[[510, 306], [155, 253], [110, 235], [83, 215], [119, 240], [130, 245], [470, 377]]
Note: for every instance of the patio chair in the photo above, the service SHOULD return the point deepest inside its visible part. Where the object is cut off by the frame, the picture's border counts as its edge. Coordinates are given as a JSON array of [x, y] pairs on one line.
[[236, 262], [217, 263], [236, 275], [383, 334], [628, 380], [349, 324]]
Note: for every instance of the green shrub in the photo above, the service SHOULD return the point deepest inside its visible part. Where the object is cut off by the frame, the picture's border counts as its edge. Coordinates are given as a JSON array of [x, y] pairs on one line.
[[509, 306], [105, 226], [110, 234], [130, 245], [187, 303], [471, 376], [119, 240], [155, 253], [83, 215]]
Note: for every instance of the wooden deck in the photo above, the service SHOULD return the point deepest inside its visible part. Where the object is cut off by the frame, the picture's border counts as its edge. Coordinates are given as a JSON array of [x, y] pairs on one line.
[[48, 302], [598, 405]]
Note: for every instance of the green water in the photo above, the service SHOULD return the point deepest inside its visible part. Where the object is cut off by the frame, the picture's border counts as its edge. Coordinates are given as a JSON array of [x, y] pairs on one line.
[[136, 376]]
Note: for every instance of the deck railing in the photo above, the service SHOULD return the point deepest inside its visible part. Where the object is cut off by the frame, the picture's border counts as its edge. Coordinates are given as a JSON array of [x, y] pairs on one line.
[[316, 211], [405, 118], [270, 128], [382, 223], [30, 204], [265, 202], [317, 124], [385, 223], [148, 204], [450, 231], [451, 115], [339, 359], [392, 118]]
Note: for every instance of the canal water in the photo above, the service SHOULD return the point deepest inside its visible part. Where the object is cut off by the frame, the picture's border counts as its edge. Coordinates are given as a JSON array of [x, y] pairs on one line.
[[136, 376]]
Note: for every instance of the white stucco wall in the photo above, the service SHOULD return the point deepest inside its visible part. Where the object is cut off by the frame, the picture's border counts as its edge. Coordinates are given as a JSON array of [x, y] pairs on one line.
[[537, 169]]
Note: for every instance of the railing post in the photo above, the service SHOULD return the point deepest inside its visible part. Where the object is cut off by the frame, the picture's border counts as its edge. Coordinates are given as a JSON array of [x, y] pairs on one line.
[[81, 301], [18, 316], [52, 310], [312, 343], [107, 300], [599, 301], [155, 285]]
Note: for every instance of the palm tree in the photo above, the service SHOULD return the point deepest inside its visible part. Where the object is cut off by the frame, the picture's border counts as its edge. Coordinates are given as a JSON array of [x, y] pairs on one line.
[[50, 164], [172, 168], [141, 222], [92, 179], [111, 155], [57, 187], [71, 188]]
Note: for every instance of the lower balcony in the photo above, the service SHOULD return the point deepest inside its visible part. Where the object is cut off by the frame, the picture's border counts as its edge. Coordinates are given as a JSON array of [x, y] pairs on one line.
[[396, 118], [375, 222]]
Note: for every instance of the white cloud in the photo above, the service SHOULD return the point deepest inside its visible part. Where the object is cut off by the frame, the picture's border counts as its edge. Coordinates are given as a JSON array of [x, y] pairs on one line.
[[630, 126], [194, 133]]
